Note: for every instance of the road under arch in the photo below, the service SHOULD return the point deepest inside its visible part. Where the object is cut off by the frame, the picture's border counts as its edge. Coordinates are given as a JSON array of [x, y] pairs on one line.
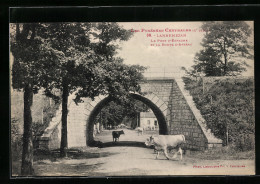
[[163, 129]]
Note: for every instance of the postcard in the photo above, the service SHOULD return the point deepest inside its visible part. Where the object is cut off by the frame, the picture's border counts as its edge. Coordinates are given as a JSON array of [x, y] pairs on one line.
[[132, 98]]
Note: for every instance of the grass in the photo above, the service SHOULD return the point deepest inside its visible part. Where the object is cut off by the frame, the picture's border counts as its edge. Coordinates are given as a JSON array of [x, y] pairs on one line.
[[226, 104], [225, 153]]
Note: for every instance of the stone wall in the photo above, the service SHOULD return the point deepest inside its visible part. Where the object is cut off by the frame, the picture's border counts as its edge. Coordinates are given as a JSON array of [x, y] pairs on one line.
[[160, 88], [184, 121], [51, 138], [188, 120], [170, 98], [77, 125]]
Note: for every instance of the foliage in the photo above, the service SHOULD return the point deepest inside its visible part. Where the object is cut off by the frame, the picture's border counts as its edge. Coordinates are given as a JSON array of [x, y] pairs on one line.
[[119, 79], [16, 140], [106, 38], [16, 146], [79, 54], [24, 45], [72, 57], [26, 76], [225, 49], [114, 113], [227, 105], [83, 57], [38, 127]]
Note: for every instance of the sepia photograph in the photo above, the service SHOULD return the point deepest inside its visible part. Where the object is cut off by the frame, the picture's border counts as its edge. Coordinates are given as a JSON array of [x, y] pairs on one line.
[[98, 99]]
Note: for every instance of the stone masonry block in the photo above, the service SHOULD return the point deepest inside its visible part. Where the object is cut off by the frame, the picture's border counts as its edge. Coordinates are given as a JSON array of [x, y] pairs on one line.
[[217, 145], [195, 134], [174, 132], [150, 96], [159, 103], [210, 145]]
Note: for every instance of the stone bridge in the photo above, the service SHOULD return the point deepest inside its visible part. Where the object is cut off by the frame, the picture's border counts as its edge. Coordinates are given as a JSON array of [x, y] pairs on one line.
[[171, 103]]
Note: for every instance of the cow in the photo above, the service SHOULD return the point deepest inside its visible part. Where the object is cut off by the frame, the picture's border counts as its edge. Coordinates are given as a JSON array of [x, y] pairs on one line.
[[140, 130], [116, 135], [165, 142], [151, 127]]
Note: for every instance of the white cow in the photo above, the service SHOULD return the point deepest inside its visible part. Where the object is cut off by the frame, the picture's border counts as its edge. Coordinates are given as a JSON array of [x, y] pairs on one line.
[[140, 130], [165, 142]]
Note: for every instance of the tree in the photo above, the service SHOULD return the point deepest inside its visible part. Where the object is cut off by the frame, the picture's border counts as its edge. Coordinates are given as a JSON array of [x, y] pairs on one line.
[[33, 59], [66, 60], [107, 37], [225, 48], [69, 59], [84, 63], [24, 45]]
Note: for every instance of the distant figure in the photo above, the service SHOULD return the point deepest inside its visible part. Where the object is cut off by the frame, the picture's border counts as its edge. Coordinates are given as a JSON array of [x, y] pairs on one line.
[[116, 135], [94, 130], [140, 130], [97, 128], [152, 127]]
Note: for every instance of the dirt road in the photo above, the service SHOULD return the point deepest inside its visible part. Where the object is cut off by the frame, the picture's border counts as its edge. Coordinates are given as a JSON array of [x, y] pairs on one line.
[[129, 161]]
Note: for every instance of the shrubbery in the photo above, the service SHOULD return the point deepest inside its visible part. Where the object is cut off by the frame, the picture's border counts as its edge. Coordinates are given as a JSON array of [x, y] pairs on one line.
[[38, 127], [16, 140], [228, 108]]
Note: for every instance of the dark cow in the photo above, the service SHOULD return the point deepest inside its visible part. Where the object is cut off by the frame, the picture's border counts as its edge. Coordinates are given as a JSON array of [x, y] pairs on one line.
[[116, 135]]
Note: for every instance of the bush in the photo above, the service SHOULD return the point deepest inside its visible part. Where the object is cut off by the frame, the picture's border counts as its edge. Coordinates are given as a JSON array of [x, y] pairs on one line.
[[228, 108], [16, 146], [16, 140]]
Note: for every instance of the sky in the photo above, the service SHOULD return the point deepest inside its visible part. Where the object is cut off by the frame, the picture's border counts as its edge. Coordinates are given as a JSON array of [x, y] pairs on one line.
[[165, 61]]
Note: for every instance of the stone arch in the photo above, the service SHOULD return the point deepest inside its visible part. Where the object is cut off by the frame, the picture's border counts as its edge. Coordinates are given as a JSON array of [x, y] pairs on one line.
[[158, 107], [167, 98]]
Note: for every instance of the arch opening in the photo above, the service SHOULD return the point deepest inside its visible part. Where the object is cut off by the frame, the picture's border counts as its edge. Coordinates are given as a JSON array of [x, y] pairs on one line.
[[163, 128]]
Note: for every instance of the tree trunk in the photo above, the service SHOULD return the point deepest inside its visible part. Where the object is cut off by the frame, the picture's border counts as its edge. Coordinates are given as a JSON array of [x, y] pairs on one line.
[[27, 155], [225, 67], [64, 135], [138, 119], [225, 57], [100, 119]]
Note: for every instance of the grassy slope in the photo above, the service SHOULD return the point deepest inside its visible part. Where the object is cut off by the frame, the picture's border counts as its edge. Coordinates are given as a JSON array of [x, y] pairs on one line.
[[228, 101]]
